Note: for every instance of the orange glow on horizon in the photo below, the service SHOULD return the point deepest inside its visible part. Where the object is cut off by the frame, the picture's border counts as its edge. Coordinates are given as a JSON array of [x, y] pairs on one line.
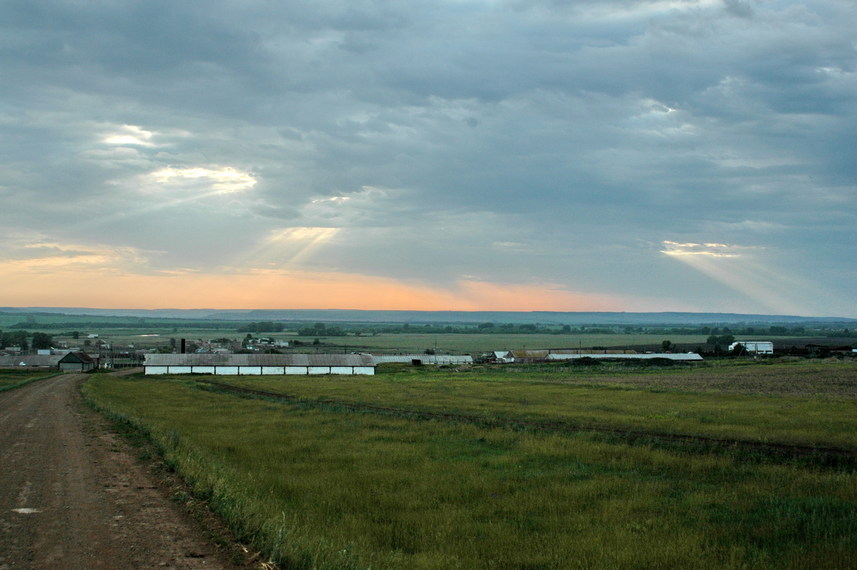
[[25, 285]]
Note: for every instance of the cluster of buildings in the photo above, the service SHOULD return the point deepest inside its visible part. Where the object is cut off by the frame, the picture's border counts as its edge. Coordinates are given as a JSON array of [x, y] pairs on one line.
[[364, 364], [220, 361], [64, 361]]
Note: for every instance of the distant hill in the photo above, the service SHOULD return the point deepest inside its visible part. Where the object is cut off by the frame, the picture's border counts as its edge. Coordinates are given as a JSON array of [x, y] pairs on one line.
[[434, 317]]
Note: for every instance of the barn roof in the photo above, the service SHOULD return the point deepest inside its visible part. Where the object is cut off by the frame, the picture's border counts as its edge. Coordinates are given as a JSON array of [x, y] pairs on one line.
[[77, 357], [46, 360], [615, 356], [424, 358], [258, 360]]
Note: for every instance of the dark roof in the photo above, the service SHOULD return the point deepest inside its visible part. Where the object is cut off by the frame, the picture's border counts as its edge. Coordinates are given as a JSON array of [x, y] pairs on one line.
[[77, 357]]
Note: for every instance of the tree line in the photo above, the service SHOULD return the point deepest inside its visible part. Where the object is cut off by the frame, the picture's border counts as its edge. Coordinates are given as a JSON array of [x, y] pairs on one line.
[[25, 340]]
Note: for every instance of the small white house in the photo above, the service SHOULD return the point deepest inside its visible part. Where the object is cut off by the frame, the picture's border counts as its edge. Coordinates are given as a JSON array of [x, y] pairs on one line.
[[503, 356], [754, 346]]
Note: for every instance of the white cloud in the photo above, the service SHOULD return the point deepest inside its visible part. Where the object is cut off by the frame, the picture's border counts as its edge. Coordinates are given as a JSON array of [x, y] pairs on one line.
[[130, 135], [678, 249], [222, 180]]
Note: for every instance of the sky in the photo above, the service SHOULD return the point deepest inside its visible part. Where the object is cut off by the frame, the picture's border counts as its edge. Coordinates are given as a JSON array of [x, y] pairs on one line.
[[595, 155]]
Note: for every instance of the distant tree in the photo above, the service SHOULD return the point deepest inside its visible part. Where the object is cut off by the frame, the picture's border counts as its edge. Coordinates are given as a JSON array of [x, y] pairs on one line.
[[16, 338], [720, 340], [42, 340], [75, 335], [260, 327], [666, 346]]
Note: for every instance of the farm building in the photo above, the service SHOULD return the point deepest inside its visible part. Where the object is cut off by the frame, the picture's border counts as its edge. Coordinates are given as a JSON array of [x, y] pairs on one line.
[[423, 358], [608, 355], [501, 357], [259, 364], [754, 346], [77, 362], [30, 361]]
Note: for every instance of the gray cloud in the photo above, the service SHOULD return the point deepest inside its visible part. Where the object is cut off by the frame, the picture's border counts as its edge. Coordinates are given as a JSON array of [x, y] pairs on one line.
[[534, 141]]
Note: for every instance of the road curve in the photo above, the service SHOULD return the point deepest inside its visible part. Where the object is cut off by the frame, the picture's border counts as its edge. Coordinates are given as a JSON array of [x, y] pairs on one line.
[[72, 496]]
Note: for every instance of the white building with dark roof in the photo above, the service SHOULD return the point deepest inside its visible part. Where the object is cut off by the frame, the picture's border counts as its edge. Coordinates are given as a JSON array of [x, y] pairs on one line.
[[754, 346]]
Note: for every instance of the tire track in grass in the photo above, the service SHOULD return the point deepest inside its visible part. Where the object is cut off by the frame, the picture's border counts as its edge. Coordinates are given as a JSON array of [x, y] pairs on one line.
[[829, 457]]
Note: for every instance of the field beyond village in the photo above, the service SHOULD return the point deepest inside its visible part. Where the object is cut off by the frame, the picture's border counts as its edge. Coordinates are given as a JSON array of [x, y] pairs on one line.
[[728, 464]]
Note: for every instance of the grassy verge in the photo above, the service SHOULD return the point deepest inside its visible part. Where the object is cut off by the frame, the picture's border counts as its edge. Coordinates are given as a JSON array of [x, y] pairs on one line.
[[11, 379], [338, 489]]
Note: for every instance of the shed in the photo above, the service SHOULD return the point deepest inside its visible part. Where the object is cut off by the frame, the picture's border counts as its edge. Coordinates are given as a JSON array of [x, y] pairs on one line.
[[259, 364], [77, 362]]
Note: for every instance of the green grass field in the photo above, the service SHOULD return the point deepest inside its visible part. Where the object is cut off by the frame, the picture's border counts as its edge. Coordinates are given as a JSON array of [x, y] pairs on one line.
[[557, 394], [322, 485], [403, 342], [14, 378], [477, 343]]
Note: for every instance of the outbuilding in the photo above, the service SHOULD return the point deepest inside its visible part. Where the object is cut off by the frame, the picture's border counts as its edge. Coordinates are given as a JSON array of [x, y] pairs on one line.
[[259, 364], [77, 362]]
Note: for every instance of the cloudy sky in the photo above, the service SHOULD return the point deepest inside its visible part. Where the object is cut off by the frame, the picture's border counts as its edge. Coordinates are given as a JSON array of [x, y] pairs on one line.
[[607, 155]]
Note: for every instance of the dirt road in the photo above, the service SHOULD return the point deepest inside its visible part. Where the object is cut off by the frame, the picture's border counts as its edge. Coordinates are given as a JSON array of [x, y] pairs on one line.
[[73, 496]]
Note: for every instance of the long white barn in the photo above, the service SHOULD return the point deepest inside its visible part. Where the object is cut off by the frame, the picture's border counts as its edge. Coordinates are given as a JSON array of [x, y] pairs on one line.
[[689, 356], [423, 358], [259, 364]]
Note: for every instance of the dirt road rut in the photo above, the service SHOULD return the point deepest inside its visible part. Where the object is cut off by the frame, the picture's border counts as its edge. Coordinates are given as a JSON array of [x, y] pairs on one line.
[[72, 495]]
